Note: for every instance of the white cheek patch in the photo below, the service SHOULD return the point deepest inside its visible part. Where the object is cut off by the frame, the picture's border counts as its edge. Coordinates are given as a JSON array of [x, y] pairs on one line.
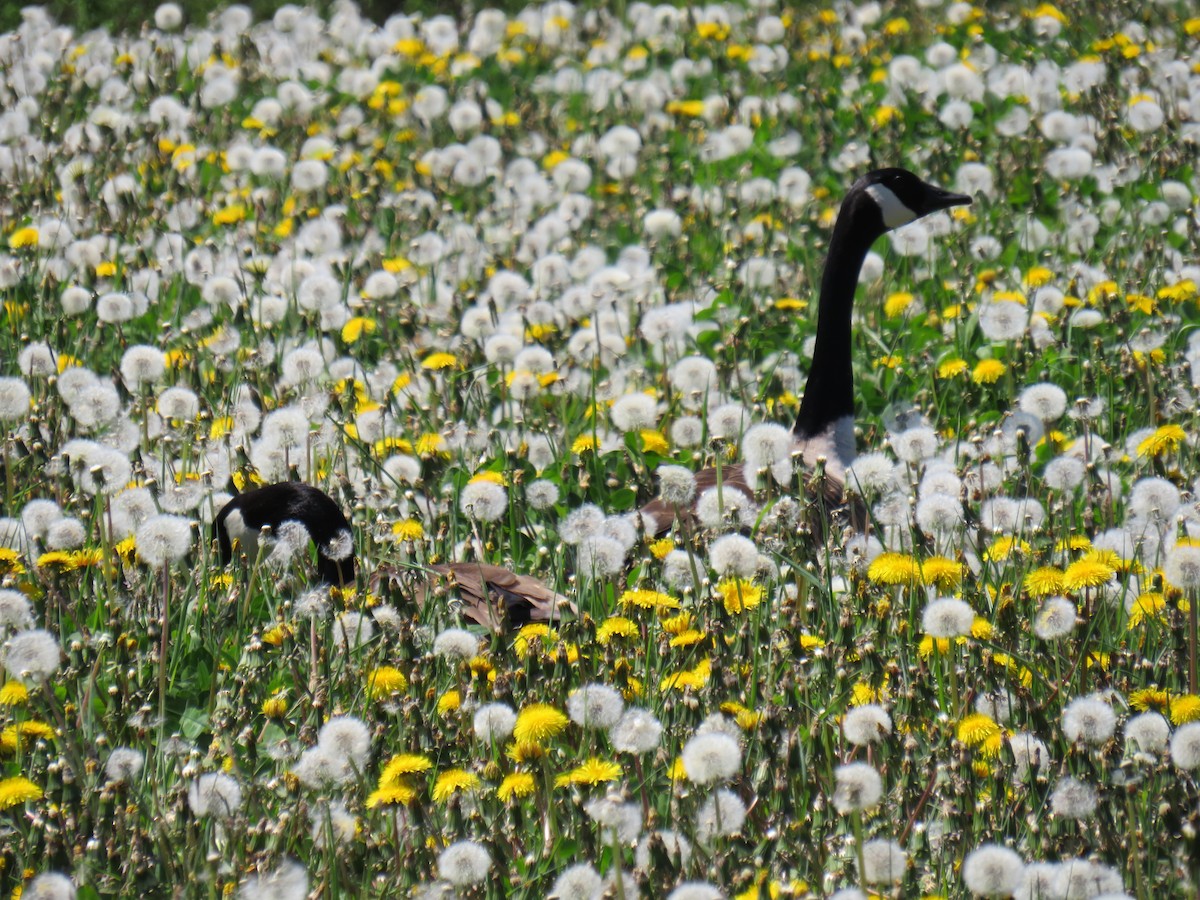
[[891, 207], [235, 528]]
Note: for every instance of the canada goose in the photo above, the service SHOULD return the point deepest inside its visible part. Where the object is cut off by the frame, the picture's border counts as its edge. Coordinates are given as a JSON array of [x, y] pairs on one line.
[[278, 505], [878, 202]]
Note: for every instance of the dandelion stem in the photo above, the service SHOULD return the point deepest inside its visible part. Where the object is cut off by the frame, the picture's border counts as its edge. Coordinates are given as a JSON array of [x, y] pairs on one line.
[[162, 645], [1193, 628]]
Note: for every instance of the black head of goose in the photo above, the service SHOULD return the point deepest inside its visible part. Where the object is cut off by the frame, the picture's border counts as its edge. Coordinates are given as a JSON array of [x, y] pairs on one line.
[[878, 202], [245, 516]]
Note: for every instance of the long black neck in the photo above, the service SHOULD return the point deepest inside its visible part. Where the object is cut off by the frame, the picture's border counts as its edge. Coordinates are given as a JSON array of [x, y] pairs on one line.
[[829, 394]]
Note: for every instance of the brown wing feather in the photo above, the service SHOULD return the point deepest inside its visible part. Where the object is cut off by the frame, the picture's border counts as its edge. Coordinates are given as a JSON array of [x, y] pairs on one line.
[[494, 596], [827, 491]]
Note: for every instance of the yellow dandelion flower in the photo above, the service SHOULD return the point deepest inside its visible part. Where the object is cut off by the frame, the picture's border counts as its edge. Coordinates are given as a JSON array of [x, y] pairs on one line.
[[518, 784], [746, 718], [941, 572], [384, 681], [615, 626], [533, 632], [454, 781], [648, 600], [976, 728], [14, 791], [988, 371], [811, 642], [1044, 582], [1147, 606], [690, 109], [677, 772], [408, 530], [952, 368], [894, 568], [594, 771], [22, 734], [1179, 292], [449, 702], [432, 444], [524, 751], [539, 722], [931, 645], [356, 327], [402, 765], [13, 694], [1185, 708], [1004, 547], [400, 793], [439, 361], [695, 678], [687, 638], [276, 635], [1164, 439], [585, 443], [1085, 573], [1141, 303], [897, 302], [654, 442], [275, 707], [1037, 276], [230, 215], [54, 559], [677, 624], [1149, 698], [661, 547], [1105, 290], [23, 237], [738, 595], [10, 562]]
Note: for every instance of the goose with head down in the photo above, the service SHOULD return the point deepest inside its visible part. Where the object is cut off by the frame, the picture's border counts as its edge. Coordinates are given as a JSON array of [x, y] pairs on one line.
[[824, 430]]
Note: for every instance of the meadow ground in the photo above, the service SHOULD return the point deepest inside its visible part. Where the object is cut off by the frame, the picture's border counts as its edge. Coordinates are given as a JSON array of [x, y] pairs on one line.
[[479, 280]]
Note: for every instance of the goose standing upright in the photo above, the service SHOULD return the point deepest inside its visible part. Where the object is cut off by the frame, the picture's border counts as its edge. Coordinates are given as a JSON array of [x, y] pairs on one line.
[[878, 202]]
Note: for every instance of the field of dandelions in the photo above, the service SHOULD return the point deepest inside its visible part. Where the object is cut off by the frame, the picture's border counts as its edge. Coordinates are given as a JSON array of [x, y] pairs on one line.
[[481, 279]]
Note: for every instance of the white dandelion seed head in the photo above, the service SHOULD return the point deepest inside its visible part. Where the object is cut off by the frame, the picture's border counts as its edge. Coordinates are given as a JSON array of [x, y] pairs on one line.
[[623, 819], [693, 376], [676, 484], [1003, 320], [595, 706], [1038, 882], [31, 656], [637, 731], [712, 756], [15, 610], [1073, 799], [727, 420], [333, 820], [494, 722], [677, 570], [718, 506], [768, 446], [947, 617], [541, 494], [992, 871], [1088, 720], [15, 399], [346, 738], [1064, 473], [857, 786], [163, 539], [581, 523], [65, 534], [687, 431], [634, 412], [723, 814], [866, 724], [1030, 754], [1084, 879], [1148, 732], [124, 764], [353, 630], [871, 473], [288, 881], [215, 794], [1154, 499], [733, 554], [915, 445], [600, 557], [675, 844], [464, 863], [49, 886], [1055, 619], [996, 705], [940, 514], [884, 861], [484, 501], [578, 882], [455, 644], [1045, 400], [1185, 746], [696, 890]]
